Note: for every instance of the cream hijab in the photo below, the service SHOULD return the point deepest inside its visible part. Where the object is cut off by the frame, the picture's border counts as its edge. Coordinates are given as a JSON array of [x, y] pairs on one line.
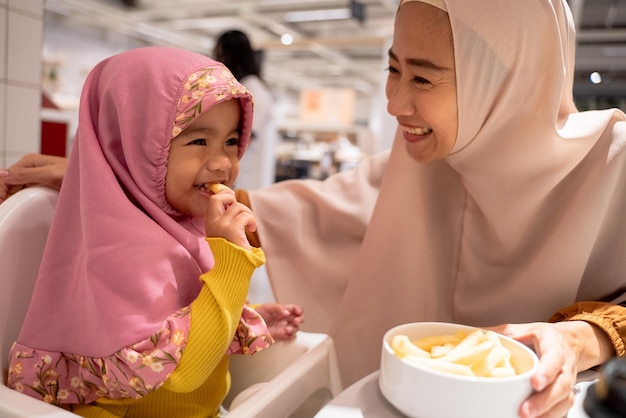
[[524, 217]]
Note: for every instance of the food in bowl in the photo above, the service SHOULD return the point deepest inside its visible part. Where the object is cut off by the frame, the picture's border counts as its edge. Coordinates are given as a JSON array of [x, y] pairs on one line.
[[420, 391], [477, 353]]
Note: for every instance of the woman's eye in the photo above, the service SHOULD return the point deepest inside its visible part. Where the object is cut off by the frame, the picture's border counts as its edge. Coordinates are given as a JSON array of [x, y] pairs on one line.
[[420, 80], [391, 70], [199, 141], [416, 79]]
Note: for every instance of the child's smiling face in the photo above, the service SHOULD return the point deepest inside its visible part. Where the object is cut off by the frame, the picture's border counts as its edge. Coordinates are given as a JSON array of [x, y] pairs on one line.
[[205, 152]]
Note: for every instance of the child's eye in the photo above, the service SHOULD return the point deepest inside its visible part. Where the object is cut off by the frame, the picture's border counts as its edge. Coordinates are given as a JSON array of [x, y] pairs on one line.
[[199, 141], [232, 141]]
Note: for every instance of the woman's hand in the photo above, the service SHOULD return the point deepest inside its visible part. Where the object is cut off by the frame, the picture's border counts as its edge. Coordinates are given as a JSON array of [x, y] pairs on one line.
[[229, 219], [31, 170], [564, 350]]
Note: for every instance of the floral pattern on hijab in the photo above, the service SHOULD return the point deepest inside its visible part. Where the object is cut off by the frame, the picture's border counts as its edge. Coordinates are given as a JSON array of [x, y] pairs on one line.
[[215, 80]]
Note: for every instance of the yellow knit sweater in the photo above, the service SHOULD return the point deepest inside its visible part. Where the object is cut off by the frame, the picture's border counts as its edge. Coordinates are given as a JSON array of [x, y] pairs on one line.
[[199, 384]]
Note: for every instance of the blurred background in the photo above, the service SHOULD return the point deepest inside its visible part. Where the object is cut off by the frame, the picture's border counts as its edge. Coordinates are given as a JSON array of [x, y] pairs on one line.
[[323, 60]]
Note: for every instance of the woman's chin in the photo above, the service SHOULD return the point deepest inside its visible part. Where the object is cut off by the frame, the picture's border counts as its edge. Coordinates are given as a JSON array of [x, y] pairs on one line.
[[421, 154]]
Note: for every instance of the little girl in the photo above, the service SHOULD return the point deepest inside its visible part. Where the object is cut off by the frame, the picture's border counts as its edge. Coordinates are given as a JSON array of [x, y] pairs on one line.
[[142, 288]]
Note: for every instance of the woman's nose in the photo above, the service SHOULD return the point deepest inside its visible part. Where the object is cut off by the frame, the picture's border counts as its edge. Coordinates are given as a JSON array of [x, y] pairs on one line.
[[399, 100]]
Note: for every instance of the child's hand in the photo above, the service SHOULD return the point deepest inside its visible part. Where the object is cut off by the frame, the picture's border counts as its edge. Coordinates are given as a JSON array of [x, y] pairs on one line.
[[283, 321], [228, 218]]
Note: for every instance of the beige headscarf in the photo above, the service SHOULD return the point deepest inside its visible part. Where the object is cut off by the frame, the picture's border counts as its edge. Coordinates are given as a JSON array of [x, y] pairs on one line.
[[441, 4], [524, 217]]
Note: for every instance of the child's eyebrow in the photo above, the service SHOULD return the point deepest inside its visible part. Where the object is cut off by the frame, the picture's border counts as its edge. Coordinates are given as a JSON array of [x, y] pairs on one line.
[[205, 130], [211, 131], [208, 131]]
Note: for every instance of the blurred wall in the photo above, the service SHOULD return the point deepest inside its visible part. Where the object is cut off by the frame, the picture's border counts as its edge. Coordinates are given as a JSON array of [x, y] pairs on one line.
[[21, 40]]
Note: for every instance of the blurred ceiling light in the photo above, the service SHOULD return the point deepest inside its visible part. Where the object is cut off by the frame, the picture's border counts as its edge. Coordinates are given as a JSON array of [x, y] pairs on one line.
[[595, 77], [317, 15], [202, 23], [286, 39]]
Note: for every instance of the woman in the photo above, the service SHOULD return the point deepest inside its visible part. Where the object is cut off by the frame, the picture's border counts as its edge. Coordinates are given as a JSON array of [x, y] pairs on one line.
[[498, 203], [513, 216]]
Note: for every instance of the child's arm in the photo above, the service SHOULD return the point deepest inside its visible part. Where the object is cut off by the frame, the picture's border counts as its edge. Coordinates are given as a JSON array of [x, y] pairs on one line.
[[215, 313]]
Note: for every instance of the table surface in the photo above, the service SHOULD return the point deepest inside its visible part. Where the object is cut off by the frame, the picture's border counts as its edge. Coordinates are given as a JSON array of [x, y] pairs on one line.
[[364, 399]]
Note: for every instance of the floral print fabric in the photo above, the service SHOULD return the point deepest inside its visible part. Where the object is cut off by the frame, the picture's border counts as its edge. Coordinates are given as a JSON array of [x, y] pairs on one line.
[[215, 80], [251, 335], [132, 372]]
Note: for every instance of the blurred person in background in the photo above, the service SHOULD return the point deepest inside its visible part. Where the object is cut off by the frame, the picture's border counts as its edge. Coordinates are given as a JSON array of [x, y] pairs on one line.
[[258, 166]]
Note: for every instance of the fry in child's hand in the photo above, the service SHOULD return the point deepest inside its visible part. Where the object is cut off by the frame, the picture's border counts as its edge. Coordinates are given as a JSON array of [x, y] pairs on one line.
[[217, 187]]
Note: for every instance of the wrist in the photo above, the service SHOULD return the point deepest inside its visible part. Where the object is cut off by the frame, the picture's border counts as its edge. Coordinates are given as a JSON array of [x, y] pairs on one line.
[[589, 342]]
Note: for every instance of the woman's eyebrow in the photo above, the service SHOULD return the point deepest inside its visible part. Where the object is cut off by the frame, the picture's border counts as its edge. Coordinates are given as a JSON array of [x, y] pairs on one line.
[[419, 62]]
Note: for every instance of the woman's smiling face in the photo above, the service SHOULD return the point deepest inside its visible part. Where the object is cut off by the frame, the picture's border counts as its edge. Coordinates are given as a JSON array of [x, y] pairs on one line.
[[421, 85], [206, 152]]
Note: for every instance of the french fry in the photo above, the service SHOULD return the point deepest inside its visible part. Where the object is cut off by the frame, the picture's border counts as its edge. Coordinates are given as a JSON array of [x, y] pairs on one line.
[[479, 353], [437, 351], [427, 343], [217, 187], [441, 365], [503, 372], [402, 346], [470, 354], [471, 340]]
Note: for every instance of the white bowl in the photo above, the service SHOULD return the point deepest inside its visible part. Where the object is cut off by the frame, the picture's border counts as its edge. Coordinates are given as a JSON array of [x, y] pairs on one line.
[[422, 392]]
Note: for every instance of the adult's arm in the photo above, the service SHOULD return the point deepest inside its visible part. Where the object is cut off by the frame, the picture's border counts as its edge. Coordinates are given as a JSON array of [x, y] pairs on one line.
[[32, 169], [311, 232]]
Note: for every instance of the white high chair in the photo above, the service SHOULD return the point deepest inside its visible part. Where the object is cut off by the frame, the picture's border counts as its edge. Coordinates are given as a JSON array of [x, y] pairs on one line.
[[291, 379], [24, 222]]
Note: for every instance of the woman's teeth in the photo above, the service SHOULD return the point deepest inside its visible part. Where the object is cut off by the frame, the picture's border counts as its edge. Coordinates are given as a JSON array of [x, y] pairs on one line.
[[418, 131], [201, 187]]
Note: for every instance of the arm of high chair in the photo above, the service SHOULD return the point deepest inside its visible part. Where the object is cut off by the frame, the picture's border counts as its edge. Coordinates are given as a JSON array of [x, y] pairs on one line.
[[17, 405], [295, 375]]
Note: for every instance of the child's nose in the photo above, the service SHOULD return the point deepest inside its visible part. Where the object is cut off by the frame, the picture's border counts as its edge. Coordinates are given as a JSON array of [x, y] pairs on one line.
[[217, 162]]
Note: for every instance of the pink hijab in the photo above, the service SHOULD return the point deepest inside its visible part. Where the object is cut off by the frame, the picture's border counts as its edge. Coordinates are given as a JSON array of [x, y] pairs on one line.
[[523, 218], [119, 259]]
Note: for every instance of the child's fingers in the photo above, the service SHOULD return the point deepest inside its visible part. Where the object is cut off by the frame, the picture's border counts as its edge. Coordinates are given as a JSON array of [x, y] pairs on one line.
[[245, 220], [224, 199], [229, 219]]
